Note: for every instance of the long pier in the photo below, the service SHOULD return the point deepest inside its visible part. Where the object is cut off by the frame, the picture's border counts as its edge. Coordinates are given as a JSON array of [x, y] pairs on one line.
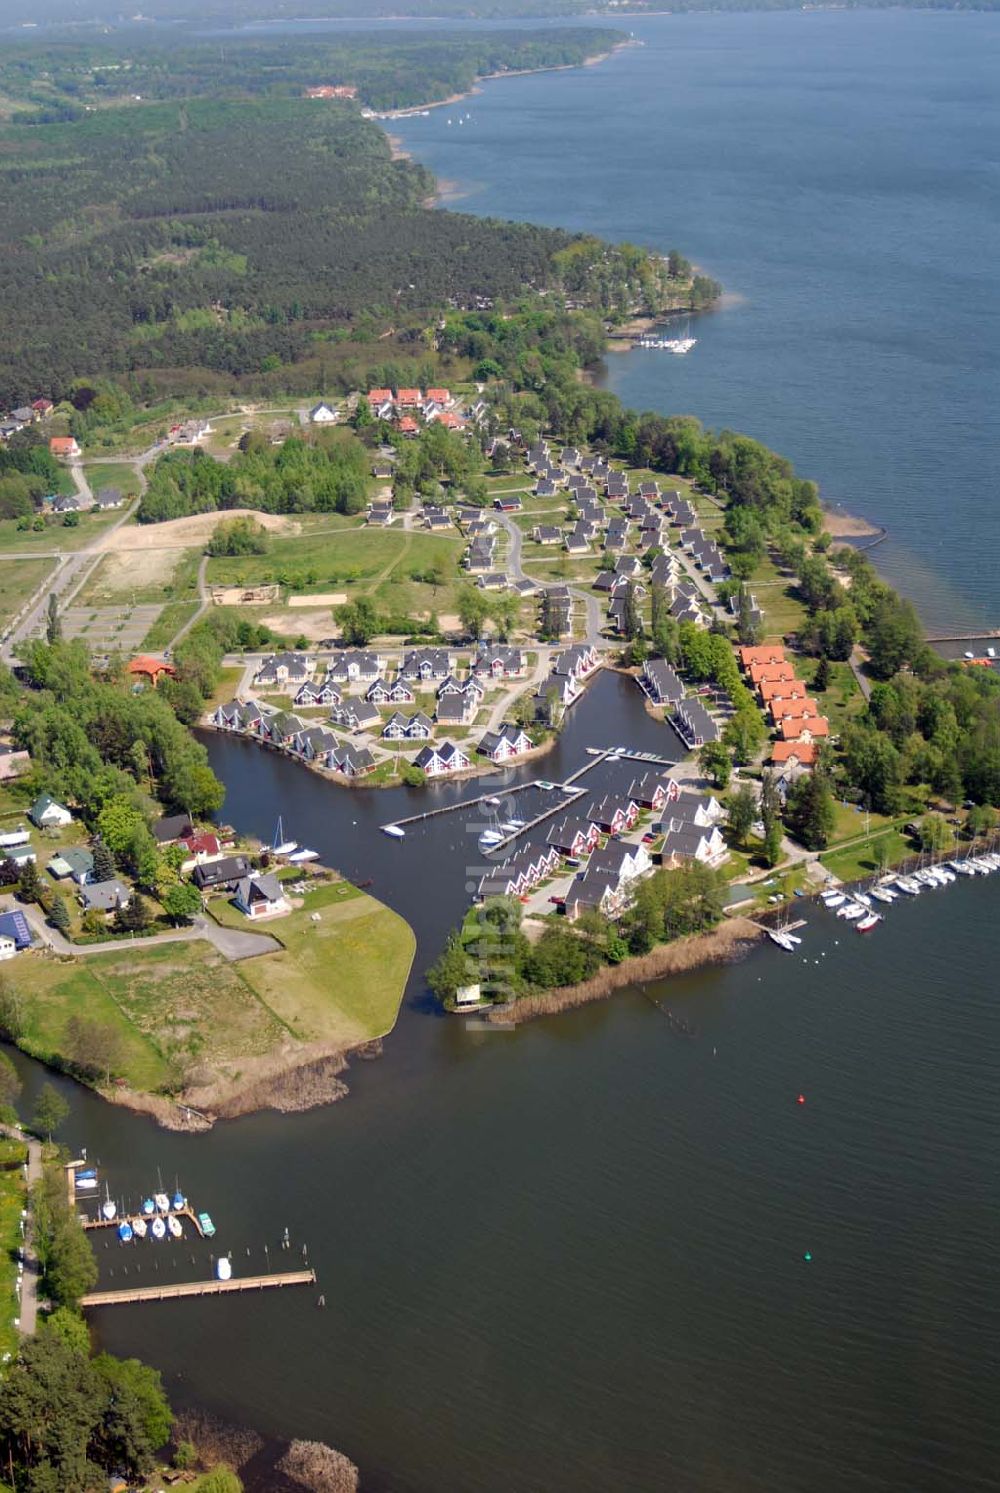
[[568, 787], [465, 803], [199, 1288]]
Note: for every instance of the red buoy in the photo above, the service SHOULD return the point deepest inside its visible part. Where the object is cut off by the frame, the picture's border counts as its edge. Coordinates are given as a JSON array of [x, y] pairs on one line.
[[801, 1099]]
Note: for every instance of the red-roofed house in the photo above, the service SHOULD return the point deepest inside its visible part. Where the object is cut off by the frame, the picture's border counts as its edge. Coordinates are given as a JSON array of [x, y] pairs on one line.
[[408, 399], [763, 653], [792, 754], [146, 667], [804, 727], [781, 689], [770, 673], [407, 426], [379, 396], [799, 705], [201, 848], [64, 447], [438, 396], [42, 407], [449, 420]]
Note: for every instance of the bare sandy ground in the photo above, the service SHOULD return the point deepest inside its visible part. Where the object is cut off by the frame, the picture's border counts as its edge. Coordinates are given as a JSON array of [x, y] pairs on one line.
[[190, 533], [134, 570], [847, 526], [323, 599], [312, 625]]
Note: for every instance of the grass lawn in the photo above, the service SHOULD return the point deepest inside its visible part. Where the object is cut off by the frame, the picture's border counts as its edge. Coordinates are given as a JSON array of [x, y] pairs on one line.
[[120, 474], [784, 613], [224, 690], [842, 701], [55, 536], [168, 624], [13, 1197], [856, 861], [19, 579], [340, 979], [60, 988]]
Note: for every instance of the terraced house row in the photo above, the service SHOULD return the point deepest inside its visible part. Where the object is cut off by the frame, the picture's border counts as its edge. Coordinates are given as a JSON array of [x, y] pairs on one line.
[[798, 723]]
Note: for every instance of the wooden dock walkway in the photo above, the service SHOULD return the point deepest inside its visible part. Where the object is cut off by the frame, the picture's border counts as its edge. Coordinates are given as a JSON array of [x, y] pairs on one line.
[[199, 1288], [112, 1223], [465, 803]]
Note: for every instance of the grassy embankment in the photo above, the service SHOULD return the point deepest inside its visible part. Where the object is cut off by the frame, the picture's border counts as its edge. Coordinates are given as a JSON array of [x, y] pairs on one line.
[[182, 1014], [13, 1198]]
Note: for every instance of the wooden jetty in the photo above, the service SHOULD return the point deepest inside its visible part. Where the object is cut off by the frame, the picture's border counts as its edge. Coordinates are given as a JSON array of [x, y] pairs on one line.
[[112, 1223], [465, 803], [129, 1297]]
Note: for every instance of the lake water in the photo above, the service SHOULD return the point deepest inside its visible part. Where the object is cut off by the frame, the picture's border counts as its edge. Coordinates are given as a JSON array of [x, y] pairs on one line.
[[572, 1257], [839, 173]]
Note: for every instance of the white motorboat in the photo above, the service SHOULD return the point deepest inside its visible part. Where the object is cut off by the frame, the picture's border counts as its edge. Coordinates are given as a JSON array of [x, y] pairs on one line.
[[394, 830], [223, 1269], [833, 899], [299, 857], [867, 923]]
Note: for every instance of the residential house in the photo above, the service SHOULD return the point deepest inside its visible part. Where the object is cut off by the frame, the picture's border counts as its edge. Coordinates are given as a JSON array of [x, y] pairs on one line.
[[509, 741], [381, 514], [793, 756], [314, 693], [594, 893], [355, 715], [660, 682], [104, 896], [579, 661], [14, 926], [652, 792], [171, 828], [47, 813], [761, 653], [479, 556], [222, 875], [108, 497], [573, 837], [793, 705], [442, 758], [76, 862], [576, 544], [64, 448], [400, 727], [260, 895], [685, 842], [570, 457], [406, 425], [613, 816], [351, 761], [546, 534], [42, 407], [781, 689], [508, 503], [323, 414], [457, 709], [554, 696], [701, 809], [66, 504], [436, 520], [285, 669], [356, 666], [390, 692], [693, 723], [545, 488], [317, 744], [804, 728], [771, 673], [427, 663], [493, 580], [409, 399], [498, 661]]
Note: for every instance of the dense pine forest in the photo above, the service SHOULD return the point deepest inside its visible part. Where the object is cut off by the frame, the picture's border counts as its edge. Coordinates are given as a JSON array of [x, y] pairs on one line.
[[241, 236]]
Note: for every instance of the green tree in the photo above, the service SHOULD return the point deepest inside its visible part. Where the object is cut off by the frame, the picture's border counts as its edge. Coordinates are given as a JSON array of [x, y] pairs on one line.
[[181, 902], [31, 885], [359, 621], [473, 608], [12, 1010], [810, 812], [772, 844], [59, 914], [51, 1110], [934, 832], [140, 1387], [220, 1480], [118, 822], [10, 1082], [53, 625], [716, 763], [741, 813], [631, 617], [104, 862], [452, 969], [821, 680]]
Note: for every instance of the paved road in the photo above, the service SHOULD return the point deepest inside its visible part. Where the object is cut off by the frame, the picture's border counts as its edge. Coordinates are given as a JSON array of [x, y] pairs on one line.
[[232, 943]]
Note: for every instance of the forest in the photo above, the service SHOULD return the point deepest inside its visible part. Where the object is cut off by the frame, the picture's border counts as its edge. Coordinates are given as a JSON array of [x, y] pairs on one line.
[[60, 78], [237, 237]]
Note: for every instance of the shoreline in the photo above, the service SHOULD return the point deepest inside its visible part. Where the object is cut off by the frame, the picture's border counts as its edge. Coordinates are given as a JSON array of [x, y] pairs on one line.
[[731, 941], [411, 111]]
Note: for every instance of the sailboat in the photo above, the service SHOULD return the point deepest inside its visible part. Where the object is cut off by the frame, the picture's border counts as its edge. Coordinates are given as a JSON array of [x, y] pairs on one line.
[[125, 1231], [158, 1228], [493, 834], [280, 845], [139, 1227], [174, 1225], [108, 1208]]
